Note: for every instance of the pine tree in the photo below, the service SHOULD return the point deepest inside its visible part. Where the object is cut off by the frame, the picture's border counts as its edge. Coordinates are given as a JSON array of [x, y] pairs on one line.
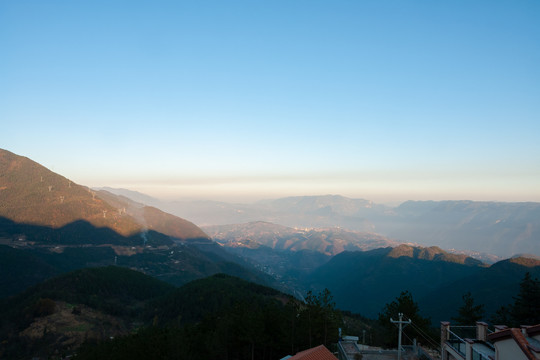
[[320, 319], [469, 313], [526, 307], [502, 316], [405, 304]]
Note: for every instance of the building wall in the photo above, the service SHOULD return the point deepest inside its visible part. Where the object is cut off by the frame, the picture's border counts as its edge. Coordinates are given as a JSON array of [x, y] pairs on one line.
[[508, 350]]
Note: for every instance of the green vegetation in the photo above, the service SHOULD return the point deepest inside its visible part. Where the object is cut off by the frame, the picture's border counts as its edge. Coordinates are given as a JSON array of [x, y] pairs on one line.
[[224, 317], [191, 302], [42, 307], [406, 305], [469, 313], [22, 269], [493, 287], [216, 317], [321, 317], [362, 281], [526, 307], [176, 264], [78, 328], [116, 291], [64, 227]]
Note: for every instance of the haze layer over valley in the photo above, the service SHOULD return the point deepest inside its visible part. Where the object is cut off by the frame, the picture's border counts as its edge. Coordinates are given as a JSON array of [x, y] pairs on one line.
[[479, 228]]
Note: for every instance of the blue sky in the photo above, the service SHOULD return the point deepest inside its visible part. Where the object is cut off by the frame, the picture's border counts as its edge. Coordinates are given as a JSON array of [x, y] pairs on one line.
[[243, 100]]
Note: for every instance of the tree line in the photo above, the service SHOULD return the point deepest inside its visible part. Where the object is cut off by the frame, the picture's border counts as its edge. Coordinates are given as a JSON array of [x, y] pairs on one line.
[[229, 318]]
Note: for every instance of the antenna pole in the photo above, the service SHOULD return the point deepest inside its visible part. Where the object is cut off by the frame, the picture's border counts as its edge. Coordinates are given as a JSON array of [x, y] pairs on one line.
[[400, 323]]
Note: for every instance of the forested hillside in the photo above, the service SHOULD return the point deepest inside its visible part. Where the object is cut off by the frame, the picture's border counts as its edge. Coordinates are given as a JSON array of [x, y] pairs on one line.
[[361, 281], [58, 315], [55, 225], [217, 317]]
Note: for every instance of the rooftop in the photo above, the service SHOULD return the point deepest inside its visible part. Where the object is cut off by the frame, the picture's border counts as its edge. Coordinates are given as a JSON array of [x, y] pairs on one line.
[[317, 353]]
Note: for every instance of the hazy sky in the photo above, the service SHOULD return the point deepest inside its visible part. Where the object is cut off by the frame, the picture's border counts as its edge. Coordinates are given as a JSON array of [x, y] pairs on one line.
[[241, 100]]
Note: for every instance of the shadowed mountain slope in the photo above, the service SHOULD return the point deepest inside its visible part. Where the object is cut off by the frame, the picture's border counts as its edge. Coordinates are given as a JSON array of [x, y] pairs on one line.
[[152, 218], [60, 226], [32, 194], [21, 269], [212, 295], [35, 253], [210, 317], [492, 286], [363, 281], [59, 314]]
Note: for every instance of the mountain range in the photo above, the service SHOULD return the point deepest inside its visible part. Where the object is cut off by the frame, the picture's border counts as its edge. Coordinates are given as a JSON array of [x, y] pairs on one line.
[[50, 226], [288, 253], [56, 225], [489, 230], [361, 281]]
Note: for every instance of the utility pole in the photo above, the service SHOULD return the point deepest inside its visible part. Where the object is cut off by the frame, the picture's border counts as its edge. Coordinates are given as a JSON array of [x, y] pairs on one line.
[[400, 323]]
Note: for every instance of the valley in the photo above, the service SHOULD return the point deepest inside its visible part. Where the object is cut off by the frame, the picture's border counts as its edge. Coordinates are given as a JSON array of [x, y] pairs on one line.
[[490, 231], [360, 254]]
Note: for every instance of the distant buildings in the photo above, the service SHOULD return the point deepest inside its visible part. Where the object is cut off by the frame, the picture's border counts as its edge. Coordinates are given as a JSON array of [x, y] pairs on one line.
[[349, 349], [475, 342], [502, 344]]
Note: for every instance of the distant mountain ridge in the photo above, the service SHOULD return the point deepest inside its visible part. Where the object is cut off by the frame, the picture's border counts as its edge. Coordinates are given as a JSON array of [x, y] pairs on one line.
[[490, 228], [493, 286], [432, 253], [362, 281], [503, 229], [323, 204]]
